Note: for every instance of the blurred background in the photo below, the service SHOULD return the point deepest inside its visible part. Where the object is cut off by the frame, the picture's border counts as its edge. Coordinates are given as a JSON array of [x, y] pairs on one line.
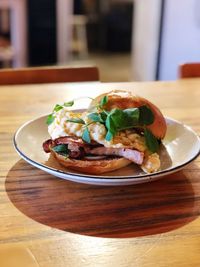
[[127, 40]]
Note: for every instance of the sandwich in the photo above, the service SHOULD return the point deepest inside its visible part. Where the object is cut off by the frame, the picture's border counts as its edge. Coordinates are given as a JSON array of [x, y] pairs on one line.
[[118, 129]]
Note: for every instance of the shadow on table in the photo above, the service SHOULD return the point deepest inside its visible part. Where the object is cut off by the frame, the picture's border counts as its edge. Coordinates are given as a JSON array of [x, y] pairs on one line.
[[113, 211]]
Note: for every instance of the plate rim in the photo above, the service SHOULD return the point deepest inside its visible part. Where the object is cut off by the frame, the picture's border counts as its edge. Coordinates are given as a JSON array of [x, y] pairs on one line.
[[119, 178]]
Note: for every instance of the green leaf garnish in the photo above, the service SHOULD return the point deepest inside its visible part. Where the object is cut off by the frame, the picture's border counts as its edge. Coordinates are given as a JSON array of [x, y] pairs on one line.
[[103, 115], [68, 104], [96, 117], [110, 125], [118, 119], [57, 107], [86, 135], [76, 120], [50, 119], [61, 149], [109, 136], [103, 101], [132, 116], [146, 115], [151, 141]]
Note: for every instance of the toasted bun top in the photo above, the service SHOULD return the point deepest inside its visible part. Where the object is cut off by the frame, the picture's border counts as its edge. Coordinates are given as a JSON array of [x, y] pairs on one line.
[[124, 99]]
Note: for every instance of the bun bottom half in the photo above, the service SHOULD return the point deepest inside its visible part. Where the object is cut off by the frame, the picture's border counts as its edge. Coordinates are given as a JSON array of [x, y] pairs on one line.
[[92, 166]]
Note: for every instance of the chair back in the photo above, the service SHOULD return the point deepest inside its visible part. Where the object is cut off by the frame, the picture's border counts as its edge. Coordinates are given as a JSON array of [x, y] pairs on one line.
[[48, 75], [189, 70]]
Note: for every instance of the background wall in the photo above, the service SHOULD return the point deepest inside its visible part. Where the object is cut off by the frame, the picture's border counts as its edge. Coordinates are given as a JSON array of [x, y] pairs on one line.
[[145, 38], [181, 36]]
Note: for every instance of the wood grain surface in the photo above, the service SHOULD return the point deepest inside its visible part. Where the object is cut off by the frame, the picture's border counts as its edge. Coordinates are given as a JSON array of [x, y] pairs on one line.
[[114, 211], [63, 223]]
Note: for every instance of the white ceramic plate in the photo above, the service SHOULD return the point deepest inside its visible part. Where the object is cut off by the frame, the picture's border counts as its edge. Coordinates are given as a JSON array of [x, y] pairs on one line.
[[180, 146]]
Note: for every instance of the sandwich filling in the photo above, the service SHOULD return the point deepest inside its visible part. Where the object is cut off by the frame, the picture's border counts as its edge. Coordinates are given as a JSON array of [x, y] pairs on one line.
[[114, 133]]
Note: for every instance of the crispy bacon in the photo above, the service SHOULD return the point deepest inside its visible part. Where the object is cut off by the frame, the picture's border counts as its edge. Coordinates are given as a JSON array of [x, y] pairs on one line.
[[78, 149], [76, 146], [73, 143], [47, 145]]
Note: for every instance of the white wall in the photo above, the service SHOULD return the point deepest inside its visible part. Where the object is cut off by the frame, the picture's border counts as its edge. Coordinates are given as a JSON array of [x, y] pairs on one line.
[[64, 17], [181, 36], [145, 39]]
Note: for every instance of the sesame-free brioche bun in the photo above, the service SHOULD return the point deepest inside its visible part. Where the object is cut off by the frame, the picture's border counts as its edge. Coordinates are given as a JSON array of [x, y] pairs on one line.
[[92, 166], [125, 99]]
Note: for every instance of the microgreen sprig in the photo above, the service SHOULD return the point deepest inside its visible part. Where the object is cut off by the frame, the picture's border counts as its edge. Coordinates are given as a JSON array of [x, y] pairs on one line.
[[76, 120], [103, 101], [62, 149], [86, 133], [51, 117], [151, 141], [68, 104]]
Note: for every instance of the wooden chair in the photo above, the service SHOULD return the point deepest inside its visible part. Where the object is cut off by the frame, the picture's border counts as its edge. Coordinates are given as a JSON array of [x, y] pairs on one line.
[[48, 75], [189, 70]]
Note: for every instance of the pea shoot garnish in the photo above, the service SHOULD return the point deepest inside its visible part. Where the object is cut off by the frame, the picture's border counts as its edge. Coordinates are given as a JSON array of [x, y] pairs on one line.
[[51, 117]]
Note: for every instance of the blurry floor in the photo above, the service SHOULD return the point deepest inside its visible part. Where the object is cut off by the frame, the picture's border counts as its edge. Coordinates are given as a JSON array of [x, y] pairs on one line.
[[112, 67]]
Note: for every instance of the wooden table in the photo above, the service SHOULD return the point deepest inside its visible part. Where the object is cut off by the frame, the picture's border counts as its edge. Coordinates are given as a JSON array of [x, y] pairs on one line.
[[50, 222]]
